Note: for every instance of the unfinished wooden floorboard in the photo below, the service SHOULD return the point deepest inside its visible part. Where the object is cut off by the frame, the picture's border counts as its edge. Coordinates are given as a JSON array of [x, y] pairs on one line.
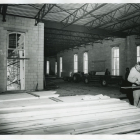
[[53, 106], [47, 102], [96, 108], [43, 116], [25, 103], [58, 111], [45, 124], [76, 126], [92, 126], [46, 93], [52, 121], [14, 97], [55, 117], [50, 130], [102, 125], [46, 107], [119, 129], [133, 132], [82, 97], [26, 96]]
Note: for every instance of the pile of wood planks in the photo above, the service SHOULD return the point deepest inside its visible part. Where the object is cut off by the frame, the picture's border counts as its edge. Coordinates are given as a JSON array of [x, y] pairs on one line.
[[28, 95], [75, 115]]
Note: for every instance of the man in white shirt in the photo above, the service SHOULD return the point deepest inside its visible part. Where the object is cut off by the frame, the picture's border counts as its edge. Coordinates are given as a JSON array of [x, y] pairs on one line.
[[134, 78]]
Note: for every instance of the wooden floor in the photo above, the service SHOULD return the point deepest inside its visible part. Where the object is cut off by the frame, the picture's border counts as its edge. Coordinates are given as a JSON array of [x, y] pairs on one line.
[[72, 115]]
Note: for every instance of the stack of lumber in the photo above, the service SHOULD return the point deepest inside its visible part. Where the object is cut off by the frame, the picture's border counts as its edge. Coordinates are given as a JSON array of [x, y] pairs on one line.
[[28, 95], [69, 115]]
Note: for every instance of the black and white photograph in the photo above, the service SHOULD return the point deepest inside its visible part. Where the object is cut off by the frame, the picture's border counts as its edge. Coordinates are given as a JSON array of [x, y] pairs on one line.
[[70, 69]]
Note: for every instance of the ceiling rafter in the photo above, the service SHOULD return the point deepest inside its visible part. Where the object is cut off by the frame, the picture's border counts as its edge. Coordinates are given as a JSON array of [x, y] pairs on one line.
[[72, 33], [42, 12], [67, 42], [133, 31], [60, 43], [53, 48], [125, 24], [105, 23], [47, 35], [109, 17], [32, 5], [63, 38], [62, 9], [80, 12], [124, 15]]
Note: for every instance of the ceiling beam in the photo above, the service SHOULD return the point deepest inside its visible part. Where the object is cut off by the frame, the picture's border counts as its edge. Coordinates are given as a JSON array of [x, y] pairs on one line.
[[80, 28], [62, 9], [42, 12], [124, 24], [80, 13], [72, 33], [65, 37], [108, 17]]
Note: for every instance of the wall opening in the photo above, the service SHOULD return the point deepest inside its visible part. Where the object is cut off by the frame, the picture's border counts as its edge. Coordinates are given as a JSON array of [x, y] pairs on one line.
[[16, 61], [60, 66], [48, 67], [75, 63], [138, 53], [85, 62], [55, 68], [115, 61]]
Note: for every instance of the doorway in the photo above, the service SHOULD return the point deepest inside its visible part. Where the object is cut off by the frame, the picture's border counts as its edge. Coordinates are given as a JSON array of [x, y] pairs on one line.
[[16, 61]]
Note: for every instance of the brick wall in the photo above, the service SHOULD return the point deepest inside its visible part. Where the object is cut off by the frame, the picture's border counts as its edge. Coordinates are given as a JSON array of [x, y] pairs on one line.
[[99, 56], [34, 49]]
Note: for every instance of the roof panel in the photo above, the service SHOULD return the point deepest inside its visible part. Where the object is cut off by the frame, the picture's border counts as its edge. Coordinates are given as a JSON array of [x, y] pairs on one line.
[[22, 10], [121, 20], [71, 5]]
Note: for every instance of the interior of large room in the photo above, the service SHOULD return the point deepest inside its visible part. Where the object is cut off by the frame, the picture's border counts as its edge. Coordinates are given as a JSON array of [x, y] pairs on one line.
[[69, 69]]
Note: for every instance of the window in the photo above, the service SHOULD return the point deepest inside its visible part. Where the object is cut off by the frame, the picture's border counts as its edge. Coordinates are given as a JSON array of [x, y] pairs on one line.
[[48, 67], [16, 61], [138, 53], [55, 67], [60, 65], [85, 59], [75, 63], [115, 61]]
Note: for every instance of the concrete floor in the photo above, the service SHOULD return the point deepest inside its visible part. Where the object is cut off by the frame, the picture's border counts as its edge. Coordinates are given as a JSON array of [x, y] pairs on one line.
[[72, 89]]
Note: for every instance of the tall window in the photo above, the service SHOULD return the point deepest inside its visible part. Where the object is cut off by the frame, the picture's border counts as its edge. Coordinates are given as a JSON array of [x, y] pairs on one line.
[[85, 61], [115, 61], [138, 53], [16, 61], [60, 65], [55, 67], [75, 63], [48, 67]]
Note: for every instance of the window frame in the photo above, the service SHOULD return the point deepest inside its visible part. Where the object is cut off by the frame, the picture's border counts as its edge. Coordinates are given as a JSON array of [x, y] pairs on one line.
[[115, 67], [85, 65], [138, 54], [48, 67], [55, 67], [61, 65], [75, 62]]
